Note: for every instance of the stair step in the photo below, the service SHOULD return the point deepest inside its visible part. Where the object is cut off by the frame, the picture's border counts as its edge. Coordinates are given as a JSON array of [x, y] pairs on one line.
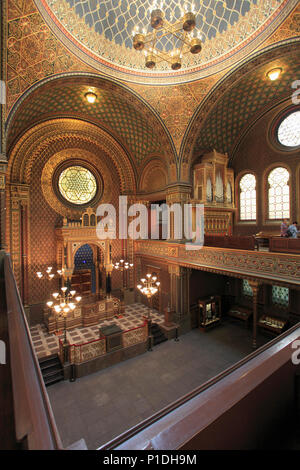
[[51, 363], [157, 334], [54, 370], [48, 358], [51, 369], [53, 380]]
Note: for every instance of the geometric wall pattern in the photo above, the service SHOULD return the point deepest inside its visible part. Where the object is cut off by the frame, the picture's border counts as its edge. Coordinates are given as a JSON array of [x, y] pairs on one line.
[[248, 93], [114, 109], [33, 52]]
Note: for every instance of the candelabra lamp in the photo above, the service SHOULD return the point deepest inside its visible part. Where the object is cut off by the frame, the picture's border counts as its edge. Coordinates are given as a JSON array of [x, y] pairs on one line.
[[123, 266], [149, 287], [49, 274], [64, 302], [180, 33]]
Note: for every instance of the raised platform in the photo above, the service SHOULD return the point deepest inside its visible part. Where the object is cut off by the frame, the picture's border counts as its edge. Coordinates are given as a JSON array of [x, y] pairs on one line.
[[46, 344]]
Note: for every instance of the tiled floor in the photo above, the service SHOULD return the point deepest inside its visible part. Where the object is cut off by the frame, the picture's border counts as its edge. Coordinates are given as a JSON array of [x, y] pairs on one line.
[[100, 406], [46, 344]]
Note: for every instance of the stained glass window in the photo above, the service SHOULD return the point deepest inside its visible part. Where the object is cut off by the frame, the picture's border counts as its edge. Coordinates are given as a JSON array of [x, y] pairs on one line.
[[279, 194], [77, 185], [289, 130], [280, 296], [246, 288], [248, 197]]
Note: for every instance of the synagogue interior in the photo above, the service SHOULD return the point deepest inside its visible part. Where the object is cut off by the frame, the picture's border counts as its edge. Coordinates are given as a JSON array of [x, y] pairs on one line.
[[149, 228]]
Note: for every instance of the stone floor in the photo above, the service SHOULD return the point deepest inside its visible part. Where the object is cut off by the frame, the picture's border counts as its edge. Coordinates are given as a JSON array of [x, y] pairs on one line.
[[46, 344], [101, 406]]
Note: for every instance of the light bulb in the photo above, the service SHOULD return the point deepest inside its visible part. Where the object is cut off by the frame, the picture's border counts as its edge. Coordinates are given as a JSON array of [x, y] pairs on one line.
[[274, 74], [50, 303], [90, 97]]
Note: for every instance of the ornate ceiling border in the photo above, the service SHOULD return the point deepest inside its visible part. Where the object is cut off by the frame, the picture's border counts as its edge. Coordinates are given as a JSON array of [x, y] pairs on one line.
[[157, 78]]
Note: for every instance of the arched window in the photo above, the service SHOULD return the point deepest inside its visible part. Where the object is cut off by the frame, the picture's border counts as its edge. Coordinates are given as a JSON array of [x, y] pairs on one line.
[[288, 131], [279, 194], [248, 197]]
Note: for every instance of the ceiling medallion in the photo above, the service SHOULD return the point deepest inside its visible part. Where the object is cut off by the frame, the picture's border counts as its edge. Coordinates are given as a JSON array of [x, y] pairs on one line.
[[180, 33]]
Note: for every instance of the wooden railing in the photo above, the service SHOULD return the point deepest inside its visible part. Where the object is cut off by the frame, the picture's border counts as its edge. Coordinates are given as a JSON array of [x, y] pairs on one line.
[[35, 426]]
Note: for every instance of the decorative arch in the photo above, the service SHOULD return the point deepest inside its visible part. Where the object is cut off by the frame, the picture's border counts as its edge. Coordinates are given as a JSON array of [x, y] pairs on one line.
[[119, 110], [47, 139], [154, 176], [247, 88]]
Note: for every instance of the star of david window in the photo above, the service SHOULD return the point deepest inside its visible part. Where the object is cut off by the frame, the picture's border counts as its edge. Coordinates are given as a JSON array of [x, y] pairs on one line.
[[77, 185]]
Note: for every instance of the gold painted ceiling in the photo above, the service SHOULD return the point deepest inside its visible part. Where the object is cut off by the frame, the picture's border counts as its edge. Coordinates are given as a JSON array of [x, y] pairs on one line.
[[100, 33]]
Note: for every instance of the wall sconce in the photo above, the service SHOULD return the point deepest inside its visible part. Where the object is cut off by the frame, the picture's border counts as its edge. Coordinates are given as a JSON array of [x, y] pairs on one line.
[[274, 74], [90, 97]]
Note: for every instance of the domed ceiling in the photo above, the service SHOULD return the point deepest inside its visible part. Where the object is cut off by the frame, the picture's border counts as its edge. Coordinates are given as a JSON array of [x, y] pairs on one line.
[[100, 33]]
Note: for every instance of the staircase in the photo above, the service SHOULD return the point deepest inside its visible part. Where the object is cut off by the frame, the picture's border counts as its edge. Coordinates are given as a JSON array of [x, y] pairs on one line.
[[51, 369], [157, 334]]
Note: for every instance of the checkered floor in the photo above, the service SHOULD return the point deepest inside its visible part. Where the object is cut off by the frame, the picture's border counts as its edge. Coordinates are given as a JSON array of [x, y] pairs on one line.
[[46, 344]]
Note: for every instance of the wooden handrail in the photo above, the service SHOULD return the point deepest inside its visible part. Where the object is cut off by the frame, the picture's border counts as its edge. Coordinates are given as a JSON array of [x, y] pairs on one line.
[[34, 421]]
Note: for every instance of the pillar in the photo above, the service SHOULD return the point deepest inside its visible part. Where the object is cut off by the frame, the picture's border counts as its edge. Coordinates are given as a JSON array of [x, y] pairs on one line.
[[255, 285], [179, 291], [19, 231], [178, 194]]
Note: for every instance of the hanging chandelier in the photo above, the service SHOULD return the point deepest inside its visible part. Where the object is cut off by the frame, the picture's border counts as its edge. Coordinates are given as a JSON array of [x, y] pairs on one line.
[[181, 31]]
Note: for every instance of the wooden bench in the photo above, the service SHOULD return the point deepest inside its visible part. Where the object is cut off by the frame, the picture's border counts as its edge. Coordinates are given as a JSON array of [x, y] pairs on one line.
[[233, 241], [285, 245]]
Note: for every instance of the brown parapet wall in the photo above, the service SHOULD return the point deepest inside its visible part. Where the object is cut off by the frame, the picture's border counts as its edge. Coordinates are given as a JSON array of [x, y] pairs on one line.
[[239, 409]]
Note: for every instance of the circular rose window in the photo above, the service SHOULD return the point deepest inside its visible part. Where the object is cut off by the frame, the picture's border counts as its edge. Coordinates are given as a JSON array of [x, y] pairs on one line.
[[77, 185], [288, 132]]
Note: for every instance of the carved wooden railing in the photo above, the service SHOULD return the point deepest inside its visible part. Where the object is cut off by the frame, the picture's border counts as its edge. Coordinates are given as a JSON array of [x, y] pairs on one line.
[[35, 426], [267, 266]]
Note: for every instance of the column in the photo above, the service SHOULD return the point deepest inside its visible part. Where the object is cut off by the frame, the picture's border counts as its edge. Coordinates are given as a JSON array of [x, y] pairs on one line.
[[3, 167], [3, 157], [178, 194], [179, 290], [19, 231], [255, 285]]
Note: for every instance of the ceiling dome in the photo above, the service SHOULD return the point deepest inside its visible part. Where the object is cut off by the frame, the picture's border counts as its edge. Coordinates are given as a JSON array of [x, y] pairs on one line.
[[100, 33]]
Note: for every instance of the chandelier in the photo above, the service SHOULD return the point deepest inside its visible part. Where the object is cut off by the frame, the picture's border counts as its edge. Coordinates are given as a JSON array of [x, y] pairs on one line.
[[181, 32], [63, 304], [149, 286]]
